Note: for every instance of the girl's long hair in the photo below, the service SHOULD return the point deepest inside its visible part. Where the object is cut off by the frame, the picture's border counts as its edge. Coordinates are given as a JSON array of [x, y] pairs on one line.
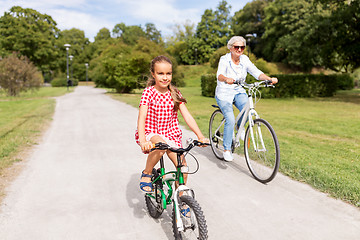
[[175, 93]]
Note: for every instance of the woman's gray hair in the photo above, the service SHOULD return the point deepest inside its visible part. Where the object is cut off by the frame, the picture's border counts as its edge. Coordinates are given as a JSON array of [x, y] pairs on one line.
[[235, 39]]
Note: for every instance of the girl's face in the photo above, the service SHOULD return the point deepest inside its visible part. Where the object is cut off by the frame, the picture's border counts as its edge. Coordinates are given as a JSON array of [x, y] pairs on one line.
[[162, 75]]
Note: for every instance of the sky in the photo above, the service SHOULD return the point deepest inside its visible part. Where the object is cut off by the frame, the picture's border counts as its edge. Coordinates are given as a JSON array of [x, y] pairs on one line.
[[92, 15]]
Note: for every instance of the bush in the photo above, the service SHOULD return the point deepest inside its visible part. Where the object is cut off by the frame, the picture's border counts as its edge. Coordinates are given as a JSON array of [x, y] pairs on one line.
[[19, 74], [208, 85], [344, 82], [62, 82], [291, 85], [303, 85]]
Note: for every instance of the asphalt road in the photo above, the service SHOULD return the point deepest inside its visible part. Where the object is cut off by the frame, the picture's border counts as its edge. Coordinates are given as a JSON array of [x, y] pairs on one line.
[[81, 182]]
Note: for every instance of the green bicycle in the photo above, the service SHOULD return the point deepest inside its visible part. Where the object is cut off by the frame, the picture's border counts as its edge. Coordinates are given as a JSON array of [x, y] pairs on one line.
[[187, 217]]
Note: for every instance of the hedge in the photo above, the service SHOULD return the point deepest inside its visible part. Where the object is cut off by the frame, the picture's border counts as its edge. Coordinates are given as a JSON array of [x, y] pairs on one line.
[[62, 82], [292, 85]]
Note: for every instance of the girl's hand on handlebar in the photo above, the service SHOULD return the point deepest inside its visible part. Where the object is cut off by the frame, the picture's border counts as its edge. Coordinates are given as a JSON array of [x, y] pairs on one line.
[[146, 146], [204, 140]]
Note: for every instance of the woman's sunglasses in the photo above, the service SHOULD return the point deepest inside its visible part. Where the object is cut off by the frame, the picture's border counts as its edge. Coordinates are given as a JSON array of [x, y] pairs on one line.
[[241, 47]]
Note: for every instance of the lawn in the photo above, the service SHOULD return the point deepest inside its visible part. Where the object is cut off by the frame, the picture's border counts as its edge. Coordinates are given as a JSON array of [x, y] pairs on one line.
[[319, 137], [22, 120]]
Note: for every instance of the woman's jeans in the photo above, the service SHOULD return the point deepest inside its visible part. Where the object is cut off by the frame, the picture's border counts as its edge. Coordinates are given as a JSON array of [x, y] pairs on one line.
[[240, 101]]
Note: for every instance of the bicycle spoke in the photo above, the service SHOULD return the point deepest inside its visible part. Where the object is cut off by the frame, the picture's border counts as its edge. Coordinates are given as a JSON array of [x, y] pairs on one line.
[[262, 151]]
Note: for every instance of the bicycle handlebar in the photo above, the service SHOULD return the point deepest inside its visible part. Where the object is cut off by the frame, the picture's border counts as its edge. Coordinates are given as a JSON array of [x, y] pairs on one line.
[[164, 146], [242, 83]]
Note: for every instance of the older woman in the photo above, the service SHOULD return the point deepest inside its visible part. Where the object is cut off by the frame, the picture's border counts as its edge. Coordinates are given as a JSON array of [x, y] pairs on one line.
[[232, 66]]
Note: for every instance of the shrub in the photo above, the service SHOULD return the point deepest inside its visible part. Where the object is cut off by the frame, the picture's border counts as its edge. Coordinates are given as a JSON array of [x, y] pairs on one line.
[[19, 74], [344, 81], [208, 85], [291, 85], [62, 82]]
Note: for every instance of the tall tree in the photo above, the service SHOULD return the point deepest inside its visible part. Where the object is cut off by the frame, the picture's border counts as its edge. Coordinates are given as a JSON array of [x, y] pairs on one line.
[[129, 34], [152, 33], [250, 20], [32, 34], [79, 50], [213, 30]]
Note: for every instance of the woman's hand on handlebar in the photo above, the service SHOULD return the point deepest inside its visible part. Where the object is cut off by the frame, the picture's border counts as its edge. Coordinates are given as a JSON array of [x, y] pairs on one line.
[[273, 80], [229, 81]]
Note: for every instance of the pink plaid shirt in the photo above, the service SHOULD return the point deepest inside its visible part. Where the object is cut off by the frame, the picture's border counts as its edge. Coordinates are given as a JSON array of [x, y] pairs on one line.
[[161, 118]]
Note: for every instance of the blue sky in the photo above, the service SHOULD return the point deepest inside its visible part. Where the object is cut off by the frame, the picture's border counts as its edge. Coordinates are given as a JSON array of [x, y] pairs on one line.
[[92, 15]]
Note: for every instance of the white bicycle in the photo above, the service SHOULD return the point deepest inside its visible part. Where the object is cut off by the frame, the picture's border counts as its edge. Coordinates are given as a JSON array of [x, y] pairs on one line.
[[261, 146]]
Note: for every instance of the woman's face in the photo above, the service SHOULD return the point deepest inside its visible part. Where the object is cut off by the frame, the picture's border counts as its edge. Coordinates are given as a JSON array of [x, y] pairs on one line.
[[237, 49], [162, 75]]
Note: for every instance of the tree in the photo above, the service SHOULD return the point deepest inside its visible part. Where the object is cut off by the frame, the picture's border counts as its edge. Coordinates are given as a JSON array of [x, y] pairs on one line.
[[180, 45], [19, 74], [214, 30], [79, 50], [103, 34], [250, 20], [126, 67], [32, 34], [152, 33], [130, 34]]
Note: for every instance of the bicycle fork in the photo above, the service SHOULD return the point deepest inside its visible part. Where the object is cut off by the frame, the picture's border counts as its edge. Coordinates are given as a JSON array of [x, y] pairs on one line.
[[181, 188]]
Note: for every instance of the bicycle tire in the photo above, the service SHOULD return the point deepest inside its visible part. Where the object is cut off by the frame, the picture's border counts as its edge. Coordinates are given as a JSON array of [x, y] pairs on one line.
[[154, 203], [263, 164], [194, 226], [216, 133]]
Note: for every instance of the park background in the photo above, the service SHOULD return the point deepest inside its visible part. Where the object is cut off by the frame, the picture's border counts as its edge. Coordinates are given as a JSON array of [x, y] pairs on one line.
[[305, 43]]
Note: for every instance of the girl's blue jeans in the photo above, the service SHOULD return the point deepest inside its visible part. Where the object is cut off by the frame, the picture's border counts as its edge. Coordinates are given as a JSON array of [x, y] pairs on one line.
[[240, 101]]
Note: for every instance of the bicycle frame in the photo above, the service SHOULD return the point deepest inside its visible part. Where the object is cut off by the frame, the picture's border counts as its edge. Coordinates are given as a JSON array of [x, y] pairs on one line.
[[177, 175], [247, 114]]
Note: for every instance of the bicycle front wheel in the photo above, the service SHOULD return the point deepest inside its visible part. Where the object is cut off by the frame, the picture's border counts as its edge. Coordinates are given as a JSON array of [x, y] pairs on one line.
[[194, 222], [216, 133], [262, 152]]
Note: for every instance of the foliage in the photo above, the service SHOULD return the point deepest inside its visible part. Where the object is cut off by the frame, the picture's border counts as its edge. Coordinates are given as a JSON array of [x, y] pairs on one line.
[[103, 34], [215, 57], [79, 50], [213, 31], [19, 74], [61, 81], [307, 34], [32, 34], [291, 85], [304, 85], [125, 67], [250, 19], [208, 85]]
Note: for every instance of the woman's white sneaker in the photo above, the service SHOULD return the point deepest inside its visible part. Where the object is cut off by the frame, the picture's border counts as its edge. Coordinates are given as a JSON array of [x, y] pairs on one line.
[[228, 156]]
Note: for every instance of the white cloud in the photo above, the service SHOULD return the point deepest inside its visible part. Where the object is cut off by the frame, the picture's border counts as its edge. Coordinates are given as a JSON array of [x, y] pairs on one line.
[[91, 16]]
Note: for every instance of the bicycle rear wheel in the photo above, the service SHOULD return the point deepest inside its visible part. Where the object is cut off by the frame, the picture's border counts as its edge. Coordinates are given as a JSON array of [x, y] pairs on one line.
[[262, 153], [194, 222], [216, 133]]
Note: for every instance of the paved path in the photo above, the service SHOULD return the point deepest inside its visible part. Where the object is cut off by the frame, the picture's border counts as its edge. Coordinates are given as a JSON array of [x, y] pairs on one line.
[[81, 183]]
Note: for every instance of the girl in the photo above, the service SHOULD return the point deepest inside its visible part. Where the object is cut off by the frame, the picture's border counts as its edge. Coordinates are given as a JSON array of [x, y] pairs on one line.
[[158, 119]]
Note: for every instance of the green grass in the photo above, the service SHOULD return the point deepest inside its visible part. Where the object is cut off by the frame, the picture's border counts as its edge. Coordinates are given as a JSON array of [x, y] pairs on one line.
[[319, 137], [22, 120]]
